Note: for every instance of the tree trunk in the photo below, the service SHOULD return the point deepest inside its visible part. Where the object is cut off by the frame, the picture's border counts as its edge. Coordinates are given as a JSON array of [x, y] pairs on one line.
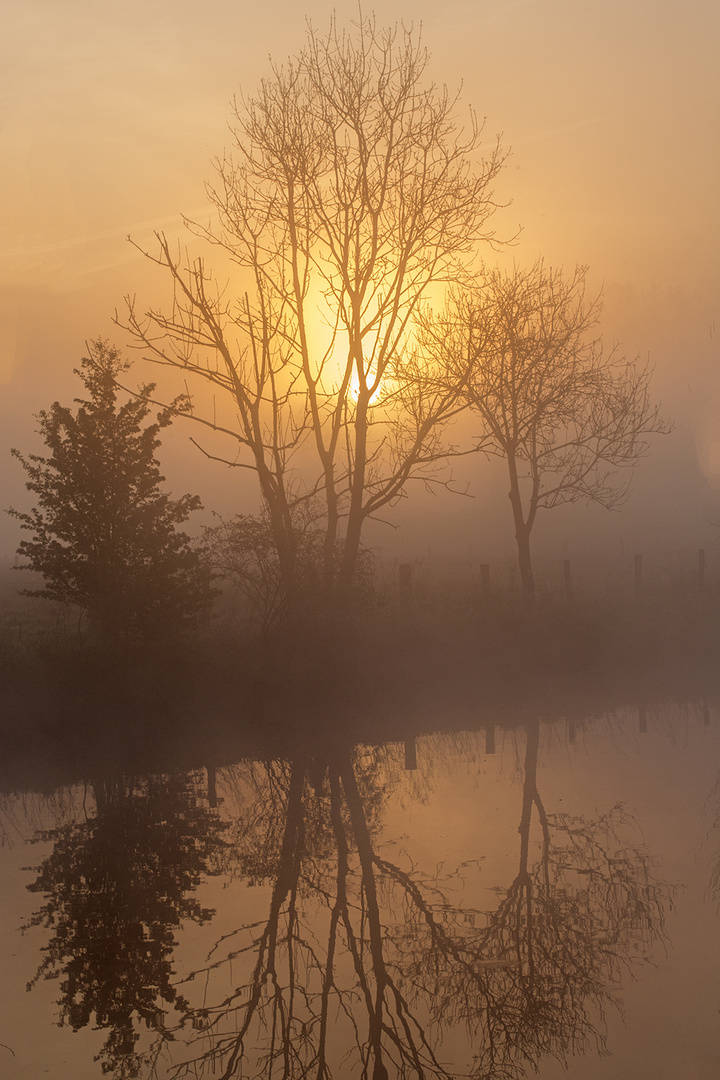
[[529, 792], [366, 855], [353, 533], [522, 536]]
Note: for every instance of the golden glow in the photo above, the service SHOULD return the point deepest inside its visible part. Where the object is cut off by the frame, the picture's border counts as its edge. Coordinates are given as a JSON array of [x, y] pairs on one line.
[[355, 388], [114, 112]]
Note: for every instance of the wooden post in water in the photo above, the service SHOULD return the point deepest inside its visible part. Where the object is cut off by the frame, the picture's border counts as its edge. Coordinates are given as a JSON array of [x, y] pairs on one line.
[[638, 574], [567, 581], [211, 786], [410, 754], [490, 739]]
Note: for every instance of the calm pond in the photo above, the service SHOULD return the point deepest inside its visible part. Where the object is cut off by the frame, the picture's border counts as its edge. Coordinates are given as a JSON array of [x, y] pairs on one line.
[[542, 896]]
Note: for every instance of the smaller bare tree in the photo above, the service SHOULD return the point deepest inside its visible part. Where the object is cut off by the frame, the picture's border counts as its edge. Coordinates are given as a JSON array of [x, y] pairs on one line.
[[567, 416]]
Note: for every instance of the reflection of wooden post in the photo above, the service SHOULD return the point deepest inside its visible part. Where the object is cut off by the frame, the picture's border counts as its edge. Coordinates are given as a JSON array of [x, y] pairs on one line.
[[701, 568], [405, 581], [490, 739], [567, 580], [638, 574], [211, 786], [485, 578], [410, 754], [642, 720]]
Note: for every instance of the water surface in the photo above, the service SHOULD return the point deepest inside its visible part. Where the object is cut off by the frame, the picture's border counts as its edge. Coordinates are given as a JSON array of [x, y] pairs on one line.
[[535, 896]]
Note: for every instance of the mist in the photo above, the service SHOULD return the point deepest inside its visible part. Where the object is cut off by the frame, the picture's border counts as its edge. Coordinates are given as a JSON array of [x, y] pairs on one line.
[[288, 789], [113, 121]]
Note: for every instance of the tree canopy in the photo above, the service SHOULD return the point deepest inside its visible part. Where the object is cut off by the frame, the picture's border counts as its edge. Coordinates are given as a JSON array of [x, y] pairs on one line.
[[351, 192], [570, 419], [104, 534]]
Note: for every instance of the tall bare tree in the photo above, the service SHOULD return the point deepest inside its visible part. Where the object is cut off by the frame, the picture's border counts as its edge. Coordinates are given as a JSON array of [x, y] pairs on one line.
[[351, 191], [569, 419]]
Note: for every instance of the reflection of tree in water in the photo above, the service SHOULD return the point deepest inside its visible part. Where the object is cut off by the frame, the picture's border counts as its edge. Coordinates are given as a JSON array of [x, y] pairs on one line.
[[536, 979], [117, 887], [361, 964], [296, 836], [713, 806]]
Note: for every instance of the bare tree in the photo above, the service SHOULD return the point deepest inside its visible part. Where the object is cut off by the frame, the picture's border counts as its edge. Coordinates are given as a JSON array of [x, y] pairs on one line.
[[351, 190], [242, 555], [566, 416]]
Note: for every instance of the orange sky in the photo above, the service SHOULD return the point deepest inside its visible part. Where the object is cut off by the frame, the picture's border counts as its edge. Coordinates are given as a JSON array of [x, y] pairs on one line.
[[112, 112]]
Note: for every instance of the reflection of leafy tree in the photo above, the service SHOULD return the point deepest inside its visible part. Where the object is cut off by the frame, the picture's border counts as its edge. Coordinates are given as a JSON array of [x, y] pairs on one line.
[[117, 887]]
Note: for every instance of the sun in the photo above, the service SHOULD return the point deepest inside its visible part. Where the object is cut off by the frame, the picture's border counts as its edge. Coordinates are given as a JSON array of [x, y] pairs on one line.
[[354, 388]]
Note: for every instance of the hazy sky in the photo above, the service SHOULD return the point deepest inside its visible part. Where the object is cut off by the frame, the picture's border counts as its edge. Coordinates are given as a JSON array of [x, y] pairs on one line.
[[112, 112]]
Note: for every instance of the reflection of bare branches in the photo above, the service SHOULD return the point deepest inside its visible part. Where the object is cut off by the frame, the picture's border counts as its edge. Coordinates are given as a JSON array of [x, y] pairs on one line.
[[363, 963], [536, 979], [320, 955], [22, 813], [359, 964]]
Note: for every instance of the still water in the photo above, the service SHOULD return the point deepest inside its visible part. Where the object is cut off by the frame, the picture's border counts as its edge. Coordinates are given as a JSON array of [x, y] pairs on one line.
[[537, 897]]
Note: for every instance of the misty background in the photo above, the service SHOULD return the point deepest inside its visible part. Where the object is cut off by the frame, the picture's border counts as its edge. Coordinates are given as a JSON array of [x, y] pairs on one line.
[[111, 117]]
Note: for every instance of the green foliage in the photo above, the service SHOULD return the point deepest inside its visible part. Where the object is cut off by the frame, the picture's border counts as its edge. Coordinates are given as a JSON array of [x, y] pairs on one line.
[[105, 536]]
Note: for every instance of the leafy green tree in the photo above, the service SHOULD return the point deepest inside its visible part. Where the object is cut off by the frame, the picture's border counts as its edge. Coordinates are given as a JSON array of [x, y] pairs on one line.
[[105, 535]]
